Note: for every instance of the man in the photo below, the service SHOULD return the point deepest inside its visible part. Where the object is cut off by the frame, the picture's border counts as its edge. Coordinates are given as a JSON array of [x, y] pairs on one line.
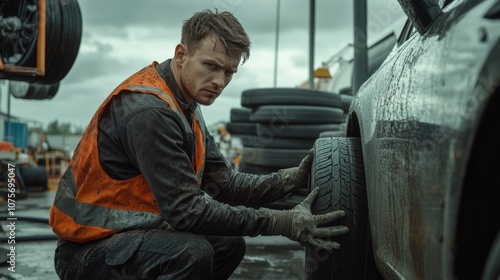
[[149, 196]]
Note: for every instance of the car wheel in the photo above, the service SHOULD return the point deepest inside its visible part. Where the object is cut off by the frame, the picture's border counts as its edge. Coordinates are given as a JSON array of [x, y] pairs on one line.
[[339, 173], [19, 42], [334, 133], [53, 31], [253, 98]]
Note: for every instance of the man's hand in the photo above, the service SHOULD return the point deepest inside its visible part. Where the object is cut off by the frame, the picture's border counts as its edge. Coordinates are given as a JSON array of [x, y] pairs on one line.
[[297, 177], [299, 224]]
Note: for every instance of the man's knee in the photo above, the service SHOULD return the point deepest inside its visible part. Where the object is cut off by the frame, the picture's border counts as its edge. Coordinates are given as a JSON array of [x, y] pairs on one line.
[[233, 247], [197, 251], [176, 249], [239, 247]]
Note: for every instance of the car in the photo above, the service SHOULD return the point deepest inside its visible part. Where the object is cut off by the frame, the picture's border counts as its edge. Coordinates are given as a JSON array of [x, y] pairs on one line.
[[418, 169]]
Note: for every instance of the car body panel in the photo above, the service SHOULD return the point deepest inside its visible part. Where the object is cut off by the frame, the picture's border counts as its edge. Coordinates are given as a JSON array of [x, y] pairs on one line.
[[417, 118]]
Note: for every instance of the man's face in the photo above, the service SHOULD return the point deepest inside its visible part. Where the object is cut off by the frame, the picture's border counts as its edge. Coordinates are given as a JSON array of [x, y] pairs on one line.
[[206, 72]]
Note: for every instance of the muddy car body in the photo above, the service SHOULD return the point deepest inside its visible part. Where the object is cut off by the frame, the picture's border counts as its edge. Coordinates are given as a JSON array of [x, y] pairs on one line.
[[426, 125]]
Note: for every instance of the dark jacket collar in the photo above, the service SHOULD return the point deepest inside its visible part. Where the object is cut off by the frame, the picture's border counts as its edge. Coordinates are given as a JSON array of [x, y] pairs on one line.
[[167, 74]]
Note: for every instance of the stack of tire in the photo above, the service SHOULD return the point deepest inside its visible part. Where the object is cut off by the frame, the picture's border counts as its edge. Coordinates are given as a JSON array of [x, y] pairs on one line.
[[278, 127], [346, 100]]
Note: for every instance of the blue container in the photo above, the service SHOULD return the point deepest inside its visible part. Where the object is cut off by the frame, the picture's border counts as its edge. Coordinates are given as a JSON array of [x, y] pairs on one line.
[[17, 133]]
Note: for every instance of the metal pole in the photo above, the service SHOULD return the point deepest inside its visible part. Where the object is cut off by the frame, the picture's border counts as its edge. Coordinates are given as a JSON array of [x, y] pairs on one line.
[[8, 136], [2, 82], [312, 16], [360, 45], [276, 43]]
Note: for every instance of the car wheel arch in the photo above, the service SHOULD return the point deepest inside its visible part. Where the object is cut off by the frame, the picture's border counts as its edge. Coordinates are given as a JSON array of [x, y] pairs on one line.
[[353, 126], [478, 203]]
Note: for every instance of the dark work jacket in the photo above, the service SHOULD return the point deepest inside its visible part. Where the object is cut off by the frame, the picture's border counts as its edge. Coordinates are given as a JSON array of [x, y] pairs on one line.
[[140, 134]]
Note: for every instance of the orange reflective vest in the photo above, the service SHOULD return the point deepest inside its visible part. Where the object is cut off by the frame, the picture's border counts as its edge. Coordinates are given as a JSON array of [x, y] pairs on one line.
[[90, 205]]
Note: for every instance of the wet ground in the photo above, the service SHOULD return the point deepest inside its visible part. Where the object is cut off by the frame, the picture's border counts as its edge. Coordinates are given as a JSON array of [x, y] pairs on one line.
[[270, 258]]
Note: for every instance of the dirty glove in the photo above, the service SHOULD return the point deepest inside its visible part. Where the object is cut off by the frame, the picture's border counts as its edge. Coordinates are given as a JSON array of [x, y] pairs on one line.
[[299, 224], [297, 177]]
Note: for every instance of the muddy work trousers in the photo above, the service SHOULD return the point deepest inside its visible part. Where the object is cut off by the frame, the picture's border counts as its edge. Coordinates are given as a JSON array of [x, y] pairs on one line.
[[150, 254]]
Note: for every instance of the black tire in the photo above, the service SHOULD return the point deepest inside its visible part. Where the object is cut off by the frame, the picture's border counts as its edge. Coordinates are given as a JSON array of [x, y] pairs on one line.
[[346, 102], [240, 115], [299, 131], [33, 91], [19, 49], [19, 89], [69, 40], [34, 177], [242, 128], [338, 171], [278, 158], [345, 91], [253, 98], [53, 37], [53, 31], [274, 142], [296, 114], [326, 134]]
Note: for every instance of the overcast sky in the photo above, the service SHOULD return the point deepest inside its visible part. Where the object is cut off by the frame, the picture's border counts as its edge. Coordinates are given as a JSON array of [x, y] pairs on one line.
[[122, 36]]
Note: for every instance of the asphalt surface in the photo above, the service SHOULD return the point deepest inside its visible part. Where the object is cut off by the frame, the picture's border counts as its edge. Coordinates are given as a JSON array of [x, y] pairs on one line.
[[270, 258]]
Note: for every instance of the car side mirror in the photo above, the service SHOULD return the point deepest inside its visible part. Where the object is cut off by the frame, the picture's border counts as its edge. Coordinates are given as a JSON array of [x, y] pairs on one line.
[[421, 12]]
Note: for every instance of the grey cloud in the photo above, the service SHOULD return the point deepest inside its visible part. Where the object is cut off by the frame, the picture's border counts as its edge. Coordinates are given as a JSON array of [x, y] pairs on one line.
[[96, 72]]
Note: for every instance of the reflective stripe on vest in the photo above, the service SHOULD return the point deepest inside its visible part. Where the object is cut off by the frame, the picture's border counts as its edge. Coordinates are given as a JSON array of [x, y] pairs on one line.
[[98, 216], [89, 204]]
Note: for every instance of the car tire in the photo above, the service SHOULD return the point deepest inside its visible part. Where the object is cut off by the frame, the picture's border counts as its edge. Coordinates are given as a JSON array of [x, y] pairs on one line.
[[33, 91], [273, 158], [339, 173], [242, 128], [297, 114], [240, 115], [253, 98], [276, 143], [253, 169], [294, 131], [9, 48], [53, 31]]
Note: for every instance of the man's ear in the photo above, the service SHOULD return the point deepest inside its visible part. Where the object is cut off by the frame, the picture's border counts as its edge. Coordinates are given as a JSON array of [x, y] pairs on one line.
[[180, 53]]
